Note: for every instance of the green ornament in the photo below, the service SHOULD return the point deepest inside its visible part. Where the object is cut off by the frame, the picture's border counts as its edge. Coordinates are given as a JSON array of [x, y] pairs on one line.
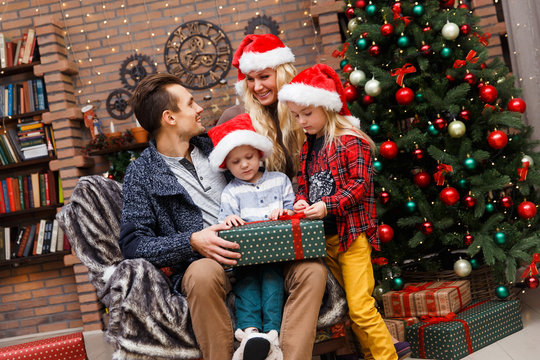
[[500, 238], [490, 208], [403, 41], [463, 184], [371, 10], [374, 129], [446, 52], [378, 292], [474, 263], [469, 163], [419, 97], [397, 283], [502, 292], [343, 63], [410, 206], [361, 43], [432, 130], [418, 10], [377, 165]]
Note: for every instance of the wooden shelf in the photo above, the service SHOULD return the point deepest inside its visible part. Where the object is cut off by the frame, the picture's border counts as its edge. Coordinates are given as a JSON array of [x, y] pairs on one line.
[[34, 259], [18, 69], [22, 116], [29, 215], [27, 163], [131, 146]]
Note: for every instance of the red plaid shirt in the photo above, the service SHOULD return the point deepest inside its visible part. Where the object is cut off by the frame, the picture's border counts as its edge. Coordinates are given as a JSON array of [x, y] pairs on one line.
[[353, 204]]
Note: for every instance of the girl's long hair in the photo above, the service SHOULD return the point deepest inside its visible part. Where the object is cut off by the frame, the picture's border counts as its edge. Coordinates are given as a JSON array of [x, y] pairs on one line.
[[338, 125], [292, 136]]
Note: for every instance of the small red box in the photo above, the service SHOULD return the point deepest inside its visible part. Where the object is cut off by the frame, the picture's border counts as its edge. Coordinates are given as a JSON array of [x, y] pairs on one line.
[[61, 347]]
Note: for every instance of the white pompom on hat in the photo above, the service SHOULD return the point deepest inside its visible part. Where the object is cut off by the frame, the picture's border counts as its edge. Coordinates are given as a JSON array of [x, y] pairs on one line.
[[235, 132], [318, 85]]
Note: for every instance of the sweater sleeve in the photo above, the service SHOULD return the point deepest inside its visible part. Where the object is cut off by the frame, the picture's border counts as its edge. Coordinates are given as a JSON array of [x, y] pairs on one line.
[[229, 204]]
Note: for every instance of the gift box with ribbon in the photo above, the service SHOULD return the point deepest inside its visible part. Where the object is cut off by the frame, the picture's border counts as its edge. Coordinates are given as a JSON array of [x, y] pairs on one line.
[[436, 298], [397, 326], [280, 240], [455, 336], [61, 347]]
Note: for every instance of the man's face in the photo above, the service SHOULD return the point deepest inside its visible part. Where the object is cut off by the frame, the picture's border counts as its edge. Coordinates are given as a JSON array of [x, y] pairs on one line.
[[188, 118]]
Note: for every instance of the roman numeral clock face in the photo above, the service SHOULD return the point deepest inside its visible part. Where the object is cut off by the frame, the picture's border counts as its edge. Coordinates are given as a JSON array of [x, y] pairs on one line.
[[199, 53]]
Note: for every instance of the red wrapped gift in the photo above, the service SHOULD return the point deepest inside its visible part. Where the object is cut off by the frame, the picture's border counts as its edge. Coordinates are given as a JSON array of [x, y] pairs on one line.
[[68, 347], [396, 326]]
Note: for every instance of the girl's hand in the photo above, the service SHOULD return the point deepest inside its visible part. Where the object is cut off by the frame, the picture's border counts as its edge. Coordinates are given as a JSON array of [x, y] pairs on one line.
[[316, 211], [276, 213], [233, 220], [300, 206]]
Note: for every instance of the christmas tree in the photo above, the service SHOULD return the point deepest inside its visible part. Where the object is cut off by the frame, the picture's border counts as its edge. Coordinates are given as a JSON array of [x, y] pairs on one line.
[[456, 168]]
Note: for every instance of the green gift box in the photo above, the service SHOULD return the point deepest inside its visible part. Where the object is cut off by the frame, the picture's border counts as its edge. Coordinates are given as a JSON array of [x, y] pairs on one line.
[[280, 240], [458, 335]]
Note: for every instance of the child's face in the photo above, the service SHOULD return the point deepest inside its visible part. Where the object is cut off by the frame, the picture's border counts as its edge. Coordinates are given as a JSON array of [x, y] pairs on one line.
[[243, 163], [311, 118]]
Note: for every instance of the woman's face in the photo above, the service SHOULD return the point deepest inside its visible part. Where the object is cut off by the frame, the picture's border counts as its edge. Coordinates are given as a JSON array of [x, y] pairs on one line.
[[263, 86]]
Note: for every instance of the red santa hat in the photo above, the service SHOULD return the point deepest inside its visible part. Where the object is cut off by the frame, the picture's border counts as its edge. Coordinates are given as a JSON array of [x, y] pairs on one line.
[[318, 85], [232, 133], [259, 52]]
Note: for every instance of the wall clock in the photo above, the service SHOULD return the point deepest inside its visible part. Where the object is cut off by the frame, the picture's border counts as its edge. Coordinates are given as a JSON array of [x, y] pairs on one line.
[[199, 53]]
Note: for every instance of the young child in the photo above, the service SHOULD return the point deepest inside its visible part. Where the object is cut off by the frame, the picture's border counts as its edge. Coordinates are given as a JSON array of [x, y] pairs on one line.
[[253, 195], [335, 184]]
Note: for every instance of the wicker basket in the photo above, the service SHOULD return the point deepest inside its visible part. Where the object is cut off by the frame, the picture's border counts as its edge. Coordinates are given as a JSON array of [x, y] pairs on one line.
[[482, 282]]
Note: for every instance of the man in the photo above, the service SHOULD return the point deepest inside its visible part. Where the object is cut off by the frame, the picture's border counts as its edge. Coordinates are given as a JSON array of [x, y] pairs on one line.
[[171, 204]]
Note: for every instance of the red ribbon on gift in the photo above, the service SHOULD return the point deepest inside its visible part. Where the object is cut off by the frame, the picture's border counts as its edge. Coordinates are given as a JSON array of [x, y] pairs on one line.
[[379, 261], [400, 72], [430, 296], [436, 320], [531, 270], [484, 38], [296, 232], [341, 53], [442, 169], [397, 16], [522, 172], [470, 58]]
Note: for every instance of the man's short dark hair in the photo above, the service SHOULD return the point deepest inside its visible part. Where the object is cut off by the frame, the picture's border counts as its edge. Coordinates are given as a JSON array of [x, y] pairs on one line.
[[151, 98]]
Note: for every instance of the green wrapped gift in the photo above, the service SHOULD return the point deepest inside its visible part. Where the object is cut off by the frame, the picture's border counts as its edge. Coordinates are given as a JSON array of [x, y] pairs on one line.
[[457, 335], [280, 240]]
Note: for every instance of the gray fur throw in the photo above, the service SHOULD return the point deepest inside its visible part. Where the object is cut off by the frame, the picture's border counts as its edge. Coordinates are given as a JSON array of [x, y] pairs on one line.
[[146, 319]]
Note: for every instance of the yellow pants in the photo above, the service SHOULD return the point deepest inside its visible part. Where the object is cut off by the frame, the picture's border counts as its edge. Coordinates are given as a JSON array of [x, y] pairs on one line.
[[354, 272]]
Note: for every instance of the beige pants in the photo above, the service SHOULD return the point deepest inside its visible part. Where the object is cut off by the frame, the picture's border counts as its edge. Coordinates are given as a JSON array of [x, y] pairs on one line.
[[206, 285]]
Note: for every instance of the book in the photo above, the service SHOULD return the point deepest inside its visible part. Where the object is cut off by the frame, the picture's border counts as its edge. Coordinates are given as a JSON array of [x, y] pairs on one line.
[[2, 246], [41, 234], [16, 197], [6, 195], [10, 147], [29, 46], [3, 156], [60, 239], [7, 243], [30, 94], [10, 48], [17, 243], [25, 191], [31, 240], [25, 98], [30, 192], [60, 191], [40, 91], [67, 245], [10, 100], [2, 201], [47, 237], [14, 140], [35, 189], [21, 51], [42, 198], [50, 188], [21, 191], [24, 241], [11, 194], [17, 51], [54, 236], [35, 151], [3, 58]]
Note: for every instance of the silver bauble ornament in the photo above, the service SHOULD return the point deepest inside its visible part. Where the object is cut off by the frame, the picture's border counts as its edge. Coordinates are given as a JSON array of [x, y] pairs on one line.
[[526, 158], [352, 24], [373, 87], [462, 268], [378, 292], [356, 77], [450, 31], [456, 129]]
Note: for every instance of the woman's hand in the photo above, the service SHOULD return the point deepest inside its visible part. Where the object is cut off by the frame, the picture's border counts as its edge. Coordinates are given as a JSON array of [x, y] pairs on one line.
[[207, 243], [300, 206], [316, 211], [233, 220], [276, 213]]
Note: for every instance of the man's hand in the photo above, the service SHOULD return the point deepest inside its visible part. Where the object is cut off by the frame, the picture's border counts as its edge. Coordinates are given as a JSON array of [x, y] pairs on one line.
[[300, 206], [316, 211], [276, 213], [207, 243], [234, 220]]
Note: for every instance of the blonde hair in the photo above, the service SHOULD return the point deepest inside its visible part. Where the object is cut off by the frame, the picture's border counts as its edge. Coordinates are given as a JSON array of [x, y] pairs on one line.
[[292, 136], [338, 125]]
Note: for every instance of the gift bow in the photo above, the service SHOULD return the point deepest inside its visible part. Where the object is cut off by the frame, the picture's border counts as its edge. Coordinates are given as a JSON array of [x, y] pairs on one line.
[[411, 288], [442, 170], [483, 38], [400, 72], [397, 16], [470, 58], [341, 53], [531, 269], [522, 172], [379, 261], [437, 319]]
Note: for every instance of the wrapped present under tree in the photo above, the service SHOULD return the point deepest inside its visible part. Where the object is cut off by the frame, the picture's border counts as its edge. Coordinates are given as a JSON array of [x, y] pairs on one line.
[[61, 347], [396, 326]]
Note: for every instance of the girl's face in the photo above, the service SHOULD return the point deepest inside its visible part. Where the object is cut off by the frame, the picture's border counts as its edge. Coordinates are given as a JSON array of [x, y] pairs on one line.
[[243, 163], [263, 85], [311, 118]]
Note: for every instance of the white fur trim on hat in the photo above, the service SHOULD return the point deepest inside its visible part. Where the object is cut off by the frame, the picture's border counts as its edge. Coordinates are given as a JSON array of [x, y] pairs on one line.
[[239, 138], [310, 96], [251, 61], [354, 121], [239, 86]]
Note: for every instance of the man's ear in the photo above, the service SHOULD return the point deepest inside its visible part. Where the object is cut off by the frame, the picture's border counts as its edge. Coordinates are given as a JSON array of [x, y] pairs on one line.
[[168, 118]]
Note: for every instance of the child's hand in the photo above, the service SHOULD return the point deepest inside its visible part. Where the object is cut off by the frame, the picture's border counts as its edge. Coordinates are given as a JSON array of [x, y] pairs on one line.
[[300, 206], [233, 220], [276, 213], [316, 211]]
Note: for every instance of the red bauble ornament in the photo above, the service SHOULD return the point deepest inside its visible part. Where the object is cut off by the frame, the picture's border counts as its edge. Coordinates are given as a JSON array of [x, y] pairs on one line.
[[374, 50], [110, 176], [463, 6], [388, 149], [532, 282], [449, 196], [365, 34], [517, 105], [468, 239], [387, 29], [480, 85], [465, 29], [426, 29], [418, 154], [384, 197], [396, 6], [469, 77], [446, 3], [360, 4], [507, 202], [347, 68], [386, 233], [488, 93], [346, 83], [404, 96], [422, 179], [497, 139], [351, 93], [349, 13], [483, 66], [469, 201], [426, 228], [439, 123], [450, 78], [526, 210], [366, 100], [426, 50], [465, 115]]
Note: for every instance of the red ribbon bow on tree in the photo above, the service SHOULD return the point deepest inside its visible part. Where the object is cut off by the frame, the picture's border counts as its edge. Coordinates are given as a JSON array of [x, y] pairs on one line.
[[470, 58], [341, 53], [522, 171], [531, 270], [484, 38], [442, 169], [400, 72], [379, 261], [397, 16]]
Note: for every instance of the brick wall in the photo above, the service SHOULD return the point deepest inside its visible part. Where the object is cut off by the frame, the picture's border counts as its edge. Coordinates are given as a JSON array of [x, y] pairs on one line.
[[490, 23]]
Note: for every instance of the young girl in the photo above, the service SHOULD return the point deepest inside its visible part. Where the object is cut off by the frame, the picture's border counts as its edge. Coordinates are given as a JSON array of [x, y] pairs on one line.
[[335, 184]]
